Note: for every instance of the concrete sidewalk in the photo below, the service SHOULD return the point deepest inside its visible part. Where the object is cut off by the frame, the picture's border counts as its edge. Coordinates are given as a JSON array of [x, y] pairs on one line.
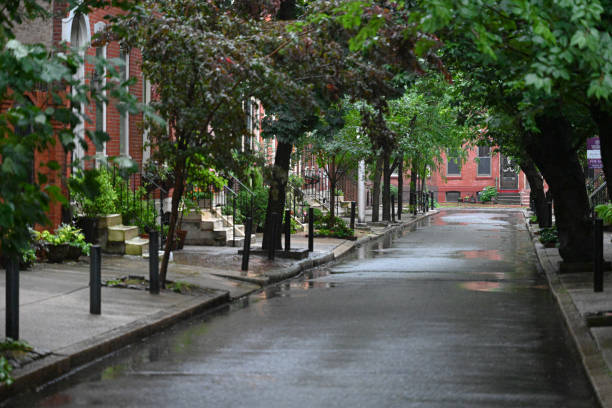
[[579, 304], [54, 300]]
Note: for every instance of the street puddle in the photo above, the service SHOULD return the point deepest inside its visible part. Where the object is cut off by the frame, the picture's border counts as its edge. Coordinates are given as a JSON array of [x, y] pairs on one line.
[[492, 286], [490, 254]]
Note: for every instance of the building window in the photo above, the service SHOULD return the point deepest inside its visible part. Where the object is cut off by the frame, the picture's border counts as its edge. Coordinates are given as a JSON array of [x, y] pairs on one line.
[[452, 166], [484, 160], [452, 196], [98, 83], [124, 118]]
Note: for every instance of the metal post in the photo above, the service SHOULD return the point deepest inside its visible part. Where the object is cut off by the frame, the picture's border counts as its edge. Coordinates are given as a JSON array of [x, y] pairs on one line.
[[392, 208], [353, 204], [598, 255], [95, 281], [311, 229], [154, 262], [432, 200], [12, 299], [234, 221], [413, 199], [287, 230], [549, 214], [246, 249]]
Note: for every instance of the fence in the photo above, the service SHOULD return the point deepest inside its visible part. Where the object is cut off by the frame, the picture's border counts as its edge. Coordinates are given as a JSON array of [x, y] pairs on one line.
[[141, 195], [599, 195]]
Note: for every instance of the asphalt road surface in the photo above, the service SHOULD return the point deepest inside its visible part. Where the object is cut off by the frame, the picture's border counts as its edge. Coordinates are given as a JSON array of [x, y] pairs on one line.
[[453, 314]]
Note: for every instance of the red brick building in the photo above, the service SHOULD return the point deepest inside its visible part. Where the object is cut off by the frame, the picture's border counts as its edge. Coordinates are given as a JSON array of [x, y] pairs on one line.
[[455, 181], [124, 130]]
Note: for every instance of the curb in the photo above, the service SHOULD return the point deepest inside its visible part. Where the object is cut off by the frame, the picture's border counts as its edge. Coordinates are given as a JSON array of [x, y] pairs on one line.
[[591, 356], [342, 250], [47, 369], [70, 358]]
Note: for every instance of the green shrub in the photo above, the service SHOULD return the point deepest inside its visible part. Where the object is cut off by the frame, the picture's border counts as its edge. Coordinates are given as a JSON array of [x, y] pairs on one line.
[[549, 235], [604, 211], [488, 194], [5, 371], [65, 234], [328, 227], [94, 194], [260, 204]]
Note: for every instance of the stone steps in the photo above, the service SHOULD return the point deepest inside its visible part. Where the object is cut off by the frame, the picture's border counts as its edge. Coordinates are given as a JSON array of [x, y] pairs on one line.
[[509, 198]]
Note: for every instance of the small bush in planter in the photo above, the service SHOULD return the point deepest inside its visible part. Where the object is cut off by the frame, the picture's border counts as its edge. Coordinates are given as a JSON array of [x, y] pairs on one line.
[[488, 193], [604, 211], [68, 242], [549, 236], [93, 196], [327, 227]]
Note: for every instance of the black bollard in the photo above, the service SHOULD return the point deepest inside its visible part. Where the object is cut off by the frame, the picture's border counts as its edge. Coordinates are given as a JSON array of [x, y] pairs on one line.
[[392, 208], [95, 281], [12, 299], [310, 229], [415, 204], [287, 230], [246, 249], [598, 255], [431, 196], [154, 262], [353, 215]]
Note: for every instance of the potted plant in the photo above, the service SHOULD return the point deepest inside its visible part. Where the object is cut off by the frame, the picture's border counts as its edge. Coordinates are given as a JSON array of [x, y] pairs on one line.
[[68, 243], [93, 197], [488, 194], [339, 195], [549, 237]]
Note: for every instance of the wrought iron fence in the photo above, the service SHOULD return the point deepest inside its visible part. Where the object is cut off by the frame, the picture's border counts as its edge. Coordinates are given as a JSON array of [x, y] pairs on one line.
[[141, 195]]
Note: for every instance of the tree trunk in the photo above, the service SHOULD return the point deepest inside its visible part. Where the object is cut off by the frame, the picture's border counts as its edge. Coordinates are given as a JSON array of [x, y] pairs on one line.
[[400, 187], [552, 151], [536, 184], [603, 119], [376, 191], [414, 174], [386, 198], [276, 194], [177, 193]]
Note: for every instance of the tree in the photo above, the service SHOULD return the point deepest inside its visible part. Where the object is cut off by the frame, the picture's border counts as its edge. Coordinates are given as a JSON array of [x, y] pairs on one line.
[[204, 60], [426, 118], [337, 146], [319, 62], [27, 128], [541, 63]]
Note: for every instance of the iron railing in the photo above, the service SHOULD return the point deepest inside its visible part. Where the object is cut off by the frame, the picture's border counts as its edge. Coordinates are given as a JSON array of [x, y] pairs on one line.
[[316, 187], [295, 202], [599, 195], [140, 196]]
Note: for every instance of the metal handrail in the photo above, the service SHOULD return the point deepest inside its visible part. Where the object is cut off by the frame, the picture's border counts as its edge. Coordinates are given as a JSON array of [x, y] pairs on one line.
[[600, 195]]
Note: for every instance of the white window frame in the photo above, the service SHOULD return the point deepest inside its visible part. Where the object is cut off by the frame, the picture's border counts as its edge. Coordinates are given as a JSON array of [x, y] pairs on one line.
[[478, 173], [124, 119]]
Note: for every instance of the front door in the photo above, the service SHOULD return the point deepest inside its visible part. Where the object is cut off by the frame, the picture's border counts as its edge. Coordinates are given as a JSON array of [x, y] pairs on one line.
[[508, 174]]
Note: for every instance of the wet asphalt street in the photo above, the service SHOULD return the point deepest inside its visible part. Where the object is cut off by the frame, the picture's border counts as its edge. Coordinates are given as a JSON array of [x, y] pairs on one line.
[[453, 314]]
